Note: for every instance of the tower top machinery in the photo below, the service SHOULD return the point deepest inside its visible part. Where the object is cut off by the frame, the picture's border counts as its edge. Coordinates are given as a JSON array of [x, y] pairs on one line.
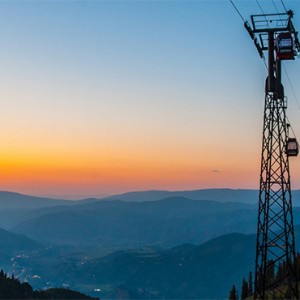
[[275, 265]]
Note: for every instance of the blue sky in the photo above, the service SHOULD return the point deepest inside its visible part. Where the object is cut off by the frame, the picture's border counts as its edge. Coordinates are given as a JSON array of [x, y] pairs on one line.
[[142, 85]]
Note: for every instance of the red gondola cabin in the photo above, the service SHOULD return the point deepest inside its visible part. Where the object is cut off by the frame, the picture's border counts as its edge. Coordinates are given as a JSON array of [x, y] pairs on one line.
[[284, 46], [292, 147]]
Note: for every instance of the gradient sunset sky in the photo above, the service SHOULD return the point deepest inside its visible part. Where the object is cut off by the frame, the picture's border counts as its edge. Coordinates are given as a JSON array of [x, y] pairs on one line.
[[104, 97]]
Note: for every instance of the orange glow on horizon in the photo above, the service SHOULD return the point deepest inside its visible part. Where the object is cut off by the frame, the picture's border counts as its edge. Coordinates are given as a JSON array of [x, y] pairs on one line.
[[51, 173], [87, 165]]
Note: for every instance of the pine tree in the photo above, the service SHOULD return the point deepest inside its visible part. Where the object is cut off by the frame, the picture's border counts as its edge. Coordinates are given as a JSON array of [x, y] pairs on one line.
[[245, 291], [270, 273], [233, 294], [250, 284]]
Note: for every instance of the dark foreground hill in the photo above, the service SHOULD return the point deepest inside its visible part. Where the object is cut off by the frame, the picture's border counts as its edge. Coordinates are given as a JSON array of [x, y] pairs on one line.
[[12, 288]]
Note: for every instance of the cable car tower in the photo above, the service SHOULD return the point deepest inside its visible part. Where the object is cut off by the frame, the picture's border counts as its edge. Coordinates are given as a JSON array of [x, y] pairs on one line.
[[275, 269]]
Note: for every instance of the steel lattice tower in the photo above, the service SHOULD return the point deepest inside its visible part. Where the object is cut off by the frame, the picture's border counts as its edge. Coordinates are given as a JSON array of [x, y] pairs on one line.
[[275, 246], [275, 268]]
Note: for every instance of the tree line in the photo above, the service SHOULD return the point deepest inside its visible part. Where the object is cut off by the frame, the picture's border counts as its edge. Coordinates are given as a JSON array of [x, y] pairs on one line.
[[274, 274], [247, 289], [12, 288]]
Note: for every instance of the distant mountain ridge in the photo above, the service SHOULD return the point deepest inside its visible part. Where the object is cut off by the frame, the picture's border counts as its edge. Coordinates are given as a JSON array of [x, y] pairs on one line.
[[109, 222], [11, 200], [14, 200], [220, 195], [15, 207], [249, 196], [167, 222]]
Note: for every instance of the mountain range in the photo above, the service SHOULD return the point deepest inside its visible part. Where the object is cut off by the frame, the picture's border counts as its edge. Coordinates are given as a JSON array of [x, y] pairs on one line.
[[219, 195], [166, 223], [174, 247]]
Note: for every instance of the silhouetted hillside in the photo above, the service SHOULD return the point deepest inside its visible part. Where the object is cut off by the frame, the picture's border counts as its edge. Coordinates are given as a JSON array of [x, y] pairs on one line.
[[12, 288]]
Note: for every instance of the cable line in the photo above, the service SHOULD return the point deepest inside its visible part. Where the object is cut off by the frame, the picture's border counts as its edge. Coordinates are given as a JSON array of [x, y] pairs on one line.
[[237, 11], [282, 22], [264, 59], [260, 8], [292, 88], [262, 12], [283, 5], [246, 22], [275, 6]]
